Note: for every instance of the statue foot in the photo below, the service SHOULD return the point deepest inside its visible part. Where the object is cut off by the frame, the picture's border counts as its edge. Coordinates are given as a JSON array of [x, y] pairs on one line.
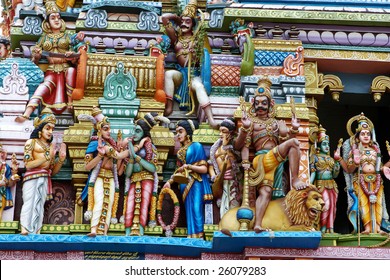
[[127, 231], [226, 232], [24, 233], [366, 231], [21, 119], [92, 234], [259, 229], [299, 185], [381, 232]]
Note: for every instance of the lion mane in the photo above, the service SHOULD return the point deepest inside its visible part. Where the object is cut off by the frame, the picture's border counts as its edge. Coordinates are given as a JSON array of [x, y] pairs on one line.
[[296, 209]]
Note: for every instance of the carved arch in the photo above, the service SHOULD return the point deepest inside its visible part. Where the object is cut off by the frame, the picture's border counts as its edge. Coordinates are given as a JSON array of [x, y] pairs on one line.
[[331, 83], [379, 86]]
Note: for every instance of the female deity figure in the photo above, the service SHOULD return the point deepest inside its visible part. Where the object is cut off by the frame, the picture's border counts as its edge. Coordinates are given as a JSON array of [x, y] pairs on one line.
[[223, 168], [8, 178], [192, 178], [60, 78], [4, 47], [361, 162], [323, 171], [39, 159], [102, 188], [141, 176]]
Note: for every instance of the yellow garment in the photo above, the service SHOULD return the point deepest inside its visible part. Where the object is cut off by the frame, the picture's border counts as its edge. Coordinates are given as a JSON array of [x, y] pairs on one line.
[[270, 162], [63, 4]]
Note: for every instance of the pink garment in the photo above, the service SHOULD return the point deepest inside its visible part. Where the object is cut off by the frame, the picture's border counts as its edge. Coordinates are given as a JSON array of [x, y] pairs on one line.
[[328, 216]]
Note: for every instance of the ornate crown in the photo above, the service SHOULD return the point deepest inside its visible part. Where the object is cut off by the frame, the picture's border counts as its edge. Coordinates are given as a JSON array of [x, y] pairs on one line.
[[4, 40], [51, 8], [101, 120], [321, 135], [264, 87], [363, 123], [190, 9], [46, 116]]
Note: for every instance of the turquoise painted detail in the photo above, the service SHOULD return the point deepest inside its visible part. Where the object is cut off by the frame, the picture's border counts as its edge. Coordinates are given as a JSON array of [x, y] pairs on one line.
[[270, 58]]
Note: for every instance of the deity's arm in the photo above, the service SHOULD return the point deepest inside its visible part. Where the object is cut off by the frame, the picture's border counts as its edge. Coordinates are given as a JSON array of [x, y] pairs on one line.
[[313, 171], [336, 169], [169, 28], [242, 138], [29, 160], [200, 169], [37, 50], [349, 166]]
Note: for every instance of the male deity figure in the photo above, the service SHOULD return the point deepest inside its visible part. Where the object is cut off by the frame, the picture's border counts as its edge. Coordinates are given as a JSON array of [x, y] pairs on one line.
[[40, 161], [185, 41], [273, 142], [60, 77]]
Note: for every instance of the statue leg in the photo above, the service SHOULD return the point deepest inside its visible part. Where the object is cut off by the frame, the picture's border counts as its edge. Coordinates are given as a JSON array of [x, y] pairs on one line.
[[171, 80], [70, 78], [290, 148], [265, 195], [204, 100]]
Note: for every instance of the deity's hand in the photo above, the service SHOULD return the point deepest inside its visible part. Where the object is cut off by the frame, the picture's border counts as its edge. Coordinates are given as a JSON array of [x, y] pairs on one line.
[[53, 149], [246, 122], [356, 156], [62, 152], [101, 149], [246, 166], [295, 122], [167, 185], [337, 154], [386, 172], [283, 129], [131, 149], [14, 165]]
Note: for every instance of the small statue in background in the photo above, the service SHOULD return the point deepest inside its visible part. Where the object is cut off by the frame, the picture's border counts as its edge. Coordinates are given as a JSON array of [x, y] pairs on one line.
[[224, 170], [273, 142], [362, 164], [189, 47], [102, 188], [191, 175], [40, 161], [8, 177], [323, 171], [60, 77]]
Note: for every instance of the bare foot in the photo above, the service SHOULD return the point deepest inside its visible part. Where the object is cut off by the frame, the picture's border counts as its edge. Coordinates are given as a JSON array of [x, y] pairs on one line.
[[92, 234], [24, 233], [381, 232], [298, 184], [226, 232], [259, 229], [21, 119], [366, 231]]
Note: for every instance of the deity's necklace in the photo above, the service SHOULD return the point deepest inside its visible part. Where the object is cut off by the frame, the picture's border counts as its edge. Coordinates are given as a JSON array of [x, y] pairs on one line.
[[266, 123], [185, 41]]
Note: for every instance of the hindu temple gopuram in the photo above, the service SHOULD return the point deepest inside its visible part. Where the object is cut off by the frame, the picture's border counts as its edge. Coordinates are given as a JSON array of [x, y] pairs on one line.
[[193, 129]]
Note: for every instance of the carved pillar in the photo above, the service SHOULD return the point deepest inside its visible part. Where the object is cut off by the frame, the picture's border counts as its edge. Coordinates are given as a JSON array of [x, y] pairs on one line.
[[77, 138]]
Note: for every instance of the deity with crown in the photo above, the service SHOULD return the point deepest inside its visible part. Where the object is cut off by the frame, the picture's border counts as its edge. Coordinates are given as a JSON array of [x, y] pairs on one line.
[[361, 162], [41, 164], [323, 171], [188, 41], [273, 141]]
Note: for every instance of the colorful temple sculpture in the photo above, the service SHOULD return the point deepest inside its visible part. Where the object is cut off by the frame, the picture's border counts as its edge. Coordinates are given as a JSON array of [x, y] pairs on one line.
[[194, 129]]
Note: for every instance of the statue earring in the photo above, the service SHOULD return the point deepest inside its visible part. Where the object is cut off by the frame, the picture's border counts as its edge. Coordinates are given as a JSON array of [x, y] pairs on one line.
[[39, 134]]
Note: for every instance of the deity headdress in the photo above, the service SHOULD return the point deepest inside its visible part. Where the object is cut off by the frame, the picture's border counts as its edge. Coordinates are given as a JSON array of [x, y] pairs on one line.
[[188, 125], [100, 119], [364, 123], [190, 9], [51, 8], [46, 116], [264, 87], [152, 120], [4, 40], [321, 134]]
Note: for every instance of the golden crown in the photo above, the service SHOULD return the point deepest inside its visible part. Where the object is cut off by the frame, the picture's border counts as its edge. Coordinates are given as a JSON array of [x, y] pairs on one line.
[[101, 120], [190, 9], [51, 8], [46, 116], [264, 87], [321, 135], [363, 123]]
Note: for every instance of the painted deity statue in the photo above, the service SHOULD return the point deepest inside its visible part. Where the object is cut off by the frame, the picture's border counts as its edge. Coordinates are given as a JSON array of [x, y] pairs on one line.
[[60, 77], [8, 177], [191, 175], [40, 162], [224, 170], [102, 189], [273, 142], [4, 47], [185, 78], [141, 175], [362, 164], [323, 171]]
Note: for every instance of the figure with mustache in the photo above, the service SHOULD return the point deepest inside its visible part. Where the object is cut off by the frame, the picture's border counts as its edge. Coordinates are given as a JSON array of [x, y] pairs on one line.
[[178, 83], [273, 142]]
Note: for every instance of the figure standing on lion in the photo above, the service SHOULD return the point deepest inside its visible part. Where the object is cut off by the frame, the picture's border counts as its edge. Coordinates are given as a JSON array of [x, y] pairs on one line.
[[362, 165], [273, 142], [188, 46]]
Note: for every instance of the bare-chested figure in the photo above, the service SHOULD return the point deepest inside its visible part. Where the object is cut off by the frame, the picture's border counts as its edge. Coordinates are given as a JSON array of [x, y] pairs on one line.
[[273, 143], [177, 81]]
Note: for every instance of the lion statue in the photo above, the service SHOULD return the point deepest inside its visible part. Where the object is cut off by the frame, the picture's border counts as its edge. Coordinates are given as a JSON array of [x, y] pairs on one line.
[[298, 211]]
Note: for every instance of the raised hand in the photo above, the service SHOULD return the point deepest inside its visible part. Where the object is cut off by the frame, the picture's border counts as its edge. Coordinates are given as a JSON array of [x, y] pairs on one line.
[[62, 152], [246, 122], [101, 149], [53, 149]]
